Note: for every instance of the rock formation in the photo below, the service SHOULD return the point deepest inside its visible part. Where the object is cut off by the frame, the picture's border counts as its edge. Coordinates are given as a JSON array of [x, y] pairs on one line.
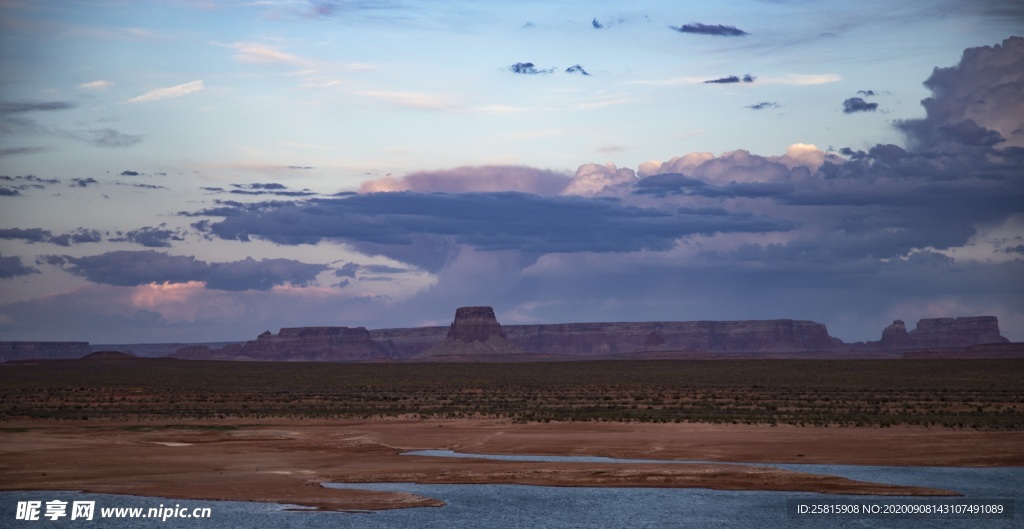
[[43, 350], [710, 336], [475, 331], [895, 336], [316, 344], [941, 333]]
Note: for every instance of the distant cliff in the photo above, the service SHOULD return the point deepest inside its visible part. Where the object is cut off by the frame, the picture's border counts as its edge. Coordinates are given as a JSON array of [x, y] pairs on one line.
[[476, 332], [10, 351], [310, 344], [942, 333], [711, 336]]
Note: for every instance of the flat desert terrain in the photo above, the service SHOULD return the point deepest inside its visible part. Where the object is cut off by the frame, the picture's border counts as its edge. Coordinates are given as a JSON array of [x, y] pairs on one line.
[[285, 461]]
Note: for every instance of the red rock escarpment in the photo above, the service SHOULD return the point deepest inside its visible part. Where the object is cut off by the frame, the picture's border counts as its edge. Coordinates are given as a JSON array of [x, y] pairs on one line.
[[942, 333]]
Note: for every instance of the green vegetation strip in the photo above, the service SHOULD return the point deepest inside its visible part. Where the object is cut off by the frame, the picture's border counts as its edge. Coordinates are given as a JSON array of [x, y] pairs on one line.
[[983, 394]]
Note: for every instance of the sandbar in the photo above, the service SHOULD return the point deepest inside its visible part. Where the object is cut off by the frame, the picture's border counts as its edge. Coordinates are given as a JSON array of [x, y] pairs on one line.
[[286, 461]]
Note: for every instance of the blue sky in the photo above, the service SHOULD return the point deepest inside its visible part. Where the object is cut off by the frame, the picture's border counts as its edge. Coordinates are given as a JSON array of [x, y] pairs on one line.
[[200, 170]]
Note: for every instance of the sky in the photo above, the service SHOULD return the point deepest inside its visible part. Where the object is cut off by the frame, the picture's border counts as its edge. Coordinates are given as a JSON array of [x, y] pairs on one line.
[[195, 171]]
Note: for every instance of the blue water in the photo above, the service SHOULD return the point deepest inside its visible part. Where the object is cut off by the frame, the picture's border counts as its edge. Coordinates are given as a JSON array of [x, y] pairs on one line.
[[519, 506]]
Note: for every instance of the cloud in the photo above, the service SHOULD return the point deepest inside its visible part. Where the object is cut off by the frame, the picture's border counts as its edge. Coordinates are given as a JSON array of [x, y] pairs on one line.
[[347, 270], [14, 151], [528, 68], [151, 237], [763, 105], [12, 123], [486, 221], [30, 235], [593, 180], [263, 189], [39, 235], [986, 88], [134, 268], [13, 267], [96, 85], [254, 53], [413, 100], [867, 93], [168, 93], [576, 69], [856, 104], [474, 179], [732, 79], [710, 29], [129, 173], [84, 182], [78, 236], [800, 79], [596, 24], [110, 138], [9, 108]]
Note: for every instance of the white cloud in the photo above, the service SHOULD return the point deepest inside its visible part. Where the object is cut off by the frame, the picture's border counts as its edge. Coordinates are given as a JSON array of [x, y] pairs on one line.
[[799, 79], [250, 52], [96, 85], [166, 93], [600, 180], [413, 100]]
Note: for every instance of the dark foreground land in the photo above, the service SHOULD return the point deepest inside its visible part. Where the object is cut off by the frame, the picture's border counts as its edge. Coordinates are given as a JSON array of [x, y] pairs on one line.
[[976, 394], [274, 432]]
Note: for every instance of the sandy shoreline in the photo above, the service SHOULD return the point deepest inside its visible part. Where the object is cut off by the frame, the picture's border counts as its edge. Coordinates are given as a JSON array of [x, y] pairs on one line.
[[283, 461]]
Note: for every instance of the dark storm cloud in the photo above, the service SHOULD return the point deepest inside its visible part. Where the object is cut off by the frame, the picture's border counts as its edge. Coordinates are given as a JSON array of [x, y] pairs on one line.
[[678, 184], [856, 104], [29, 178], [9, 108], [763, 105], [710, 29], [128, 268], [576, 69], [151, 237], [141, 186], [528, 68], [29, 235], [13, 267], [486, 221], [267, 186], [347, 270], [732, 79], [271, 188], [382, 269], [78, 236], [38, 235], [13, 151], [83, 182], [227, 208], [8, 192]]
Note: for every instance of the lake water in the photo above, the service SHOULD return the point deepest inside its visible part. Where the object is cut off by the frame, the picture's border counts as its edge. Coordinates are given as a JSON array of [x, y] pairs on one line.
[[518, 506]]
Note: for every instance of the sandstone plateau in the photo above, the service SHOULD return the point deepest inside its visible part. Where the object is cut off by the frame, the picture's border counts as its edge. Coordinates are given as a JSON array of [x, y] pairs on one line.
[[476, 334]]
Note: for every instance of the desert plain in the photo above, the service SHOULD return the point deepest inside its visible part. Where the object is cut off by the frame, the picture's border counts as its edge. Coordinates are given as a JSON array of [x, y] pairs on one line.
[[275, 433]]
